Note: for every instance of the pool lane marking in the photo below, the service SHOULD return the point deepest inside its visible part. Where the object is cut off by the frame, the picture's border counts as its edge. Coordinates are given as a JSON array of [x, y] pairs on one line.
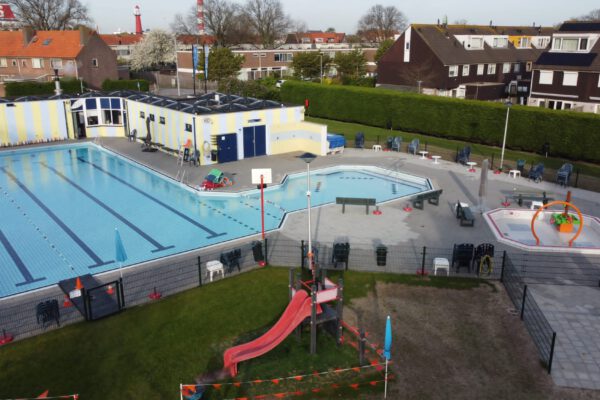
[[97, 260], [157, 245], [212, 233], [18, 262]]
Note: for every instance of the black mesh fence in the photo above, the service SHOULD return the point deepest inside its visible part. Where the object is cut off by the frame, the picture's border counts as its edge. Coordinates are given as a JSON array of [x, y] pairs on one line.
[[532, 316]]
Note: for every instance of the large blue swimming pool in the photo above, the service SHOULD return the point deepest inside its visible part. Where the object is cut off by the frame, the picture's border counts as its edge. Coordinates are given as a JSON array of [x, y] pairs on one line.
[[60, 206]]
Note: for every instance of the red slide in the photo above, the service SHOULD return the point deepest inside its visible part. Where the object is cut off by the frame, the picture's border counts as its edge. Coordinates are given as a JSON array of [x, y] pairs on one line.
[[298, 309]]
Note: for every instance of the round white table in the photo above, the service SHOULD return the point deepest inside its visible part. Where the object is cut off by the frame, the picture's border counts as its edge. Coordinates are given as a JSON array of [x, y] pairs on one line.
[[514, 173], [423, 153], [435, 159], [471, 165], [377, 147]]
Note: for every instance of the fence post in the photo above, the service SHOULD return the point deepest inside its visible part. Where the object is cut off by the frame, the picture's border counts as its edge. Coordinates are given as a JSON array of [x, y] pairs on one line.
[[302, 254], [199, 272], [577, 178], [423, 261], [551, 352], [502, 267], [122, 292], [492, 163], [266, 252], [523, 302]]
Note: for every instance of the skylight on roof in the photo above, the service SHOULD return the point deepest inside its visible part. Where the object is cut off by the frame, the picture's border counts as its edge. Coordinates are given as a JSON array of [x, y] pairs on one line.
[[46, 42]]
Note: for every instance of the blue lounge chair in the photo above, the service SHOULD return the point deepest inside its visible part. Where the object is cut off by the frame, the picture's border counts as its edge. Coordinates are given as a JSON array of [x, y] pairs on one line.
[[563, 175], [396, 143], [463, 155], [413, 146], [537, 172], [359, 140]]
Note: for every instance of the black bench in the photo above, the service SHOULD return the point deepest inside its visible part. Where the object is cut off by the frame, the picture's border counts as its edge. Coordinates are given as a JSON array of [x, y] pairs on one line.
[[354, 201], [432, 197], [465, 215], [533, 196]]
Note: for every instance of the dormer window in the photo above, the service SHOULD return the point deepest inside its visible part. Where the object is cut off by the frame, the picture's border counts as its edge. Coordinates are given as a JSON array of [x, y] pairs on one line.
[[500, 42], [524, 42], [476, 43], [583, 44], [570, 44]]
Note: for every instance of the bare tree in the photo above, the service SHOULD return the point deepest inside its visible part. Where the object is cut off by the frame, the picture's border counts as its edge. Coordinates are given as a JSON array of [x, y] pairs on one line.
[[384, 21], [593, 15], [267, 19], [47, 15], [298, 26], [185, 24]]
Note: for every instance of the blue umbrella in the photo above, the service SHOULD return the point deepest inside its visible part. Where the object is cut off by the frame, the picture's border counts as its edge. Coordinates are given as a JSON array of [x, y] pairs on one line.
[[387, 347], [120, 253]]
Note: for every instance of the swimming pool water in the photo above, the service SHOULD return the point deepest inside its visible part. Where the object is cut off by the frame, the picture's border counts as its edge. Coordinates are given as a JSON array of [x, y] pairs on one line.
[[60, 206]]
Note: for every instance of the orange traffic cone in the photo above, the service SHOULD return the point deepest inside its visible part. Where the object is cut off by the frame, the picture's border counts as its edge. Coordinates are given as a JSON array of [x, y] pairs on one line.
[[110, 290], [78, 284], [67, 302]]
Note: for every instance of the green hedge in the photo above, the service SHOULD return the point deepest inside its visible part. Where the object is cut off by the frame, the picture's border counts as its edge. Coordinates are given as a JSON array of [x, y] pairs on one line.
[[132, 84], [18, 89], [571, 135]]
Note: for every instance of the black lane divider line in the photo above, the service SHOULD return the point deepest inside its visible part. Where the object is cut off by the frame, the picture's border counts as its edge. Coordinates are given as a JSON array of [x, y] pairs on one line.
[[212, 233], [217, 211], [18, 262], [157, 245], [97, 260]]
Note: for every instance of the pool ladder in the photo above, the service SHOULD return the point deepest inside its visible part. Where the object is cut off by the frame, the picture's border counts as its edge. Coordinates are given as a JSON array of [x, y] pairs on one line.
[[180, 175]]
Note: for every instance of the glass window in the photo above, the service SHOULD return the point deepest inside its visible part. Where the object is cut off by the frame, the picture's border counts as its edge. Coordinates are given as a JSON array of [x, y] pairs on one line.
[[3, 63], [528, 66], [524, 42], [491, 69], [95, 62], [161, 120], [466, 70], [111, 111], [90, 104], [517, 68], [142, 115], [570, 78], [188, 127], [500, 42], [453, 70], [476, 43], [104, 103], [14, 63], [56, 63], [598, 80], [546, 77], [583, 43], [115, 103], [556, 44], [151, 117], [506, 68], [480, 69], [37, 63]]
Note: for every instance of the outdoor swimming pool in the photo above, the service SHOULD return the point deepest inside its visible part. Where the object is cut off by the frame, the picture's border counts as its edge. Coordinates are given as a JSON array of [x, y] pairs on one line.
[[60, 206]]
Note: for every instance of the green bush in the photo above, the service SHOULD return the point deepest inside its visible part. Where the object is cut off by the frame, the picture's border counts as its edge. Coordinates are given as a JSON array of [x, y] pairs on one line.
[[18, 89], [131, 84], [571, 135], [263, 89]]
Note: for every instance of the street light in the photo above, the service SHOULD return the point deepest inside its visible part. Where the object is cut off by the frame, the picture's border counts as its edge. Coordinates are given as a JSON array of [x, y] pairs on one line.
[[508, 105], [321, 58], [308, 158]]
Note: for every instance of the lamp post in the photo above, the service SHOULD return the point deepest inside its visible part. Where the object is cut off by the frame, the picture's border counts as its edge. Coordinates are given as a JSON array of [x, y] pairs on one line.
[[57, 89], [508, 105], [308, 158], [321, 63]]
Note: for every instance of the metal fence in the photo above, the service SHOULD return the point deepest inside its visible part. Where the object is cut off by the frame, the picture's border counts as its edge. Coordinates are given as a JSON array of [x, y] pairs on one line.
[[535, 322]]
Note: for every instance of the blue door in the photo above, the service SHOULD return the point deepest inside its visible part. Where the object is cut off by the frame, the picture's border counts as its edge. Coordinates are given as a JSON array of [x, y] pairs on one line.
[[255, 141], [227, 148]]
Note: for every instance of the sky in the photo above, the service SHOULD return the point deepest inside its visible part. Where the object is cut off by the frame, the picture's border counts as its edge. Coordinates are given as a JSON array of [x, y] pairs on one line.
[[343, 15]]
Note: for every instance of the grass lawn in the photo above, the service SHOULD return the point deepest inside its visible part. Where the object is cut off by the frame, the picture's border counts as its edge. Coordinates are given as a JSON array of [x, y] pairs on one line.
[[145, 352], [371, 134]]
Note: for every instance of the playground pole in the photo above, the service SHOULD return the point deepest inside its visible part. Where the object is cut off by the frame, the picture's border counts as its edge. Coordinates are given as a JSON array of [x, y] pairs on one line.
[[262, 206], [386, 379]]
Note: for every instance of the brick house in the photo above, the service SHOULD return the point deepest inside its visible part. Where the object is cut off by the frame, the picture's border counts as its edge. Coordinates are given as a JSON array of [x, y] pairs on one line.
[[464, 61], [80, 54], [567, 76]]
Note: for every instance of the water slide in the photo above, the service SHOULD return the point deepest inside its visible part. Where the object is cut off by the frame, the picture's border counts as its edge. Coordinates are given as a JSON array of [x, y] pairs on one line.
[[298, 309]]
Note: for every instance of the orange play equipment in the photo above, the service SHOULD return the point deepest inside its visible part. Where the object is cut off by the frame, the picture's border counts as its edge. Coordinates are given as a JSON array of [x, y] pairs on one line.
[[567, 204]]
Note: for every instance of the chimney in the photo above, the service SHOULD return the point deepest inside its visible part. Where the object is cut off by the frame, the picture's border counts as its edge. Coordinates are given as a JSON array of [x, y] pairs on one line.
[[28, 34], [84, 35], [491, 22]]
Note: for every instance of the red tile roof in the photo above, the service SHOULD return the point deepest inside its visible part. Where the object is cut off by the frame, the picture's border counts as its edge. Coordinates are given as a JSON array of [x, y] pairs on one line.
[[121, 39], [195, 39], [44, 44]]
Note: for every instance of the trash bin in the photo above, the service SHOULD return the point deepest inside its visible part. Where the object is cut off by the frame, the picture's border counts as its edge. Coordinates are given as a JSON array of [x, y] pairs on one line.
[[381, 255], [213, 155], [257, 251]]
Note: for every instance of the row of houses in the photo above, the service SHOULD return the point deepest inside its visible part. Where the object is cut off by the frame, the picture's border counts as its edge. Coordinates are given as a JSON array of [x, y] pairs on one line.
[[538, 66]]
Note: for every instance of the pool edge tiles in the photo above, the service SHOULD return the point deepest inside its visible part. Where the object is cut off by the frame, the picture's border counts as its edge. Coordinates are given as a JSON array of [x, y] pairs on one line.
[[121, 173]]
